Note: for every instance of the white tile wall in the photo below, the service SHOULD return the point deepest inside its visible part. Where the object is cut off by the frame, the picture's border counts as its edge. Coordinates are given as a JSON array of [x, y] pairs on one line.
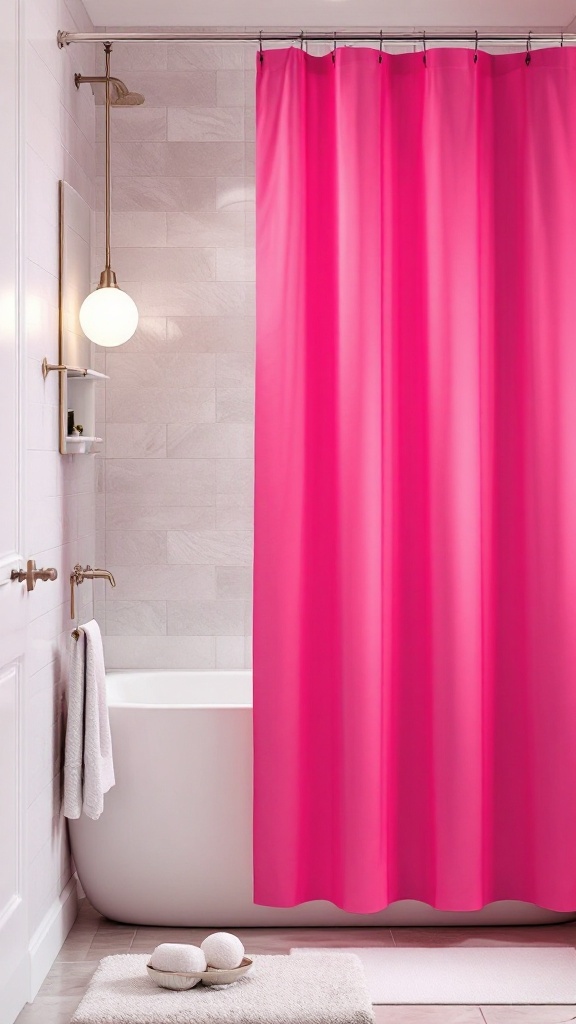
[[59, 491], [179, 403]]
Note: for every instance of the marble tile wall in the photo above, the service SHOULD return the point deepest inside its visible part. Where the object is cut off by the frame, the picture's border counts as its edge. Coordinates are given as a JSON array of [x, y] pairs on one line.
[[60, 491], [177, 412]]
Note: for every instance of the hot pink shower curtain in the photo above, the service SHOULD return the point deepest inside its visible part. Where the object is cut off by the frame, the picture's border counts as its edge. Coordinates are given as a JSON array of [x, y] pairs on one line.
[[415, 567]]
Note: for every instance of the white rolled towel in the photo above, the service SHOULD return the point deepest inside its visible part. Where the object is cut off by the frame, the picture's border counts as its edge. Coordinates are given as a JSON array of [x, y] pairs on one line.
[[179, 957]]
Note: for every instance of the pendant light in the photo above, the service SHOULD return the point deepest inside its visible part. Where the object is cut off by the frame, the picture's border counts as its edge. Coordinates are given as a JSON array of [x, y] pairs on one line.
[[108, 315]]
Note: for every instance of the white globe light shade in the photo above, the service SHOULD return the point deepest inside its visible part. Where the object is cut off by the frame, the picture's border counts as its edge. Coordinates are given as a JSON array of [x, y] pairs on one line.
[[108, 316]]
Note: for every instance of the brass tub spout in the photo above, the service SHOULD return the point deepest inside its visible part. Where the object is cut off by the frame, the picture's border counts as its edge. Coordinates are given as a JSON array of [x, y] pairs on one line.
[[78, 575]]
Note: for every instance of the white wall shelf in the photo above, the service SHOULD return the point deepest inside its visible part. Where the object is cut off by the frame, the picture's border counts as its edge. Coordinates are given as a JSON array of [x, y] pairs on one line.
[[75, 393], [85, 374], [78, 391], [80, 444]]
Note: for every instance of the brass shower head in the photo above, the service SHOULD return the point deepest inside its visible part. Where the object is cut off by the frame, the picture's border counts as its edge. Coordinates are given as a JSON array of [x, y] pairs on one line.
[[128, 99], [122, 95], [125, 98]]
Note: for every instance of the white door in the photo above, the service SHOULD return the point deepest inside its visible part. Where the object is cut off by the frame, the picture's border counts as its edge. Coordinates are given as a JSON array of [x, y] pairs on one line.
[[13, 923]]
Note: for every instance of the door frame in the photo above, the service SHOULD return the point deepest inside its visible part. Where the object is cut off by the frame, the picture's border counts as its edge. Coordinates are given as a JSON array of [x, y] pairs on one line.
[[15, 975]]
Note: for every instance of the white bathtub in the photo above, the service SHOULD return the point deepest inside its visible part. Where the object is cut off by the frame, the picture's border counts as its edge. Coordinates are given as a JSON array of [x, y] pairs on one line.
[[174, 844]]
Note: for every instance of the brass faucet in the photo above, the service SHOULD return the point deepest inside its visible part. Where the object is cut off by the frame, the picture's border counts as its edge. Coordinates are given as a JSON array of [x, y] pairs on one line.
[[31, 575], [78, 575]]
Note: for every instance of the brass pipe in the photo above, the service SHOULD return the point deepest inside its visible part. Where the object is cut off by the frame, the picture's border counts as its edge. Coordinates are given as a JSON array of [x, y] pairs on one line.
[[60, 366], [107, 277], [108, 184], [126, 98]]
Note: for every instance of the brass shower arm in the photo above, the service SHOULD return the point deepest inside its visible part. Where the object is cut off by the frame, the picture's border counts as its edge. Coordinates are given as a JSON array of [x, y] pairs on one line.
[[101, 80], [80, 79]]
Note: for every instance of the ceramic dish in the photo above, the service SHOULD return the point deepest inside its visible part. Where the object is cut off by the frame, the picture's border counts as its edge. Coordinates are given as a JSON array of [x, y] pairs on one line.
[[180, 982]]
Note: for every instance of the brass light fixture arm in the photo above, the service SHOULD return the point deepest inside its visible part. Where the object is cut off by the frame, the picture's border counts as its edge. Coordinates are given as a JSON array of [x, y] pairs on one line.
[[107, 277], [108, 180]]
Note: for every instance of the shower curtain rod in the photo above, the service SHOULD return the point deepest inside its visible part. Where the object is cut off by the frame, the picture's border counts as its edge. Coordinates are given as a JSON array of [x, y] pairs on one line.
[[65, 38]]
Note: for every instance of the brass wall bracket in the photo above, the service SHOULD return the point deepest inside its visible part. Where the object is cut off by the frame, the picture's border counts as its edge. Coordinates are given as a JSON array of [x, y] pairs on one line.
[[61, 368]]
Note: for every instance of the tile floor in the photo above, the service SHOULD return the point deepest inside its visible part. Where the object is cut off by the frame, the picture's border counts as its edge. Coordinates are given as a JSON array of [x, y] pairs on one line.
[[93, 937]]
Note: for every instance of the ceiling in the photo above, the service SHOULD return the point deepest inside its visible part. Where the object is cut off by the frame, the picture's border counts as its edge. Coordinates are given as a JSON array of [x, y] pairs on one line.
[[543, 15]]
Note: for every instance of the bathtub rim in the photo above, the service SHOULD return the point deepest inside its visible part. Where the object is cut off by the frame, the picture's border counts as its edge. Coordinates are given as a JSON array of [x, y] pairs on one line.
[[161, 680]]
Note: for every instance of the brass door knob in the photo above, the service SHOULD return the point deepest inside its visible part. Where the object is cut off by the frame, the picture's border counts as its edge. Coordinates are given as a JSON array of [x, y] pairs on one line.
[[32, 574]]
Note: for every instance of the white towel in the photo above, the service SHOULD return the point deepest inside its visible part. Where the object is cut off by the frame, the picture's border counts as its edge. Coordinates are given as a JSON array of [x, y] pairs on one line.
[[74, 745], [88, 765]]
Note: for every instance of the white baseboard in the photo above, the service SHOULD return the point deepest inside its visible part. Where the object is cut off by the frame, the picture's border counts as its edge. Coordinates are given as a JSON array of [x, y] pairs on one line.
[[48, 938], [14, 994]]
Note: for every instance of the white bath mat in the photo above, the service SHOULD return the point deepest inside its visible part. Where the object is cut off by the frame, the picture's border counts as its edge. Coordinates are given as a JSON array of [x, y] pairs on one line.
[[324, 989], [472, 975]]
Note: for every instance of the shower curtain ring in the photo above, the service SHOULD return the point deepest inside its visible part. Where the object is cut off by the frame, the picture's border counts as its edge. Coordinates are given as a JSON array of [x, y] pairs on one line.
[[261, 50], [334, 50], [476, 48], [424, 48], [561, 39], [528, 48], [381, 41], [302, 39]]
